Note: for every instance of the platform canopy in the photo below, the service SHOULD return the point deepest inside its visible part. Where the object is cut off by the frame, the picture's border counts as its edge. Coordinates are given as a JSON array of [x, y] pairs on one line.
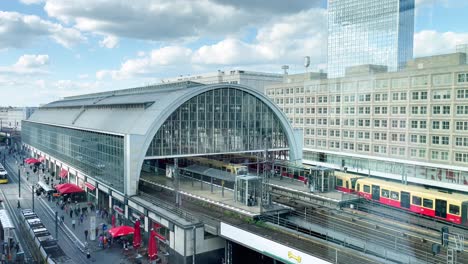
[[211, 172], [68, 188]]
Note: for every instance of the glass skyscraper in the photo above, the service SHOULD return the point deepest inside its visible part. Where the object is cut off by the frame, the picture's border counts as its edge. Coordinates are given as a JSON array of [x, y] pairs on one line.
[[376, 32]]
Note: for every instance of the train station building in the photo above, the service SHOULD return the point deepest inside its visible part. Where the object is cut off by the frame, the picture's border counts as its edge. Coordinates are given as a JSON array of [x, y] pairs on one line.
[[104, 143]]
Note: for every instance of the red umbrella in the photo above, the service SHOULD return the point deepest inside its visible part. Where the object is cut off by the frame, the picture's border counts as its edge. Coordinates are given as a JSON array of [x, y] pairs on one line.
[[121, 231], [31, 161], [152, 246], [137, 235], [113, 220], [68, 188]]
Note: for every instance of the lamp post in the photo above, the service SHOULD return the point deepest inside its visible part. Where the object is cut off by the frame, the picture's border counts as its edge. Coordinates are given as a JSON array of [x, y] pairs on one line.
[[32, 198], [19, 183], [56, 225]]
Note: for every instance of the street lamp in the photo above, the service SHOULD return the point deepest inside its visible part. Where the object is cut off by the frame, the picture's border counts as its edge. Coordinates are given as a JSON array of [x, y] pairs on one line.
[[32, 198], [19, 183]]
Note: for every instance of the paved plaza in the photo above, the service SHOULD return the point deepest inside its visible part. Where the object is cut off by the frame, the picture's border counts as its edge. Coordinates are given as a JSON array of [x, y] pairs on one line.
[[71, 239]]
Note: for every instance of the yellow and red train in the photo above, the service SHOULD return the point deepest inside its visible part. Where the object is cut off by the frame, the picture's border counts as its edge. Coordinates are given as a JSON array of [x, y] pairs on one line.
[[451, 207]]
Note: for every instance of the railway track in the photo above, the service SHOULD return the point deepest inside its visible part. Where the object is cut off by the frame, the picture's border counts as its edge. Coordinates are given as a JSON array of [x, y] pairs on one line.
[[319, 249], [408, 217], [370, 232]]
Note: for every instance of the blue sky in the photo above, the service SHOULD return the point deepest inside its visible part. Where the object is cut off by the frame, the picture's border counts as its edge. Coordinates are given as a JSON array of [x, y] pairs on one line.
[[55, 48]]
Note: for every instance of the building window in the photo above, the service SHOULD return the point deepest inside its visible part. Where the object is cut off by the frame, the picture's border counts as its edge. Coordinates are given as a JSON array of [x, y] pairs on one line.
[[462, 77]]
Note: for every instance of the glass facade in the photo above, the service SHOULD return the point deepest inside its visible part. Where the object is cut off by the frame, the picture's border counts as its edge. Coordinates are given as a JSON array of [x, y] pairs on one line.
[[369, 32], [99, 155], [218, 121]]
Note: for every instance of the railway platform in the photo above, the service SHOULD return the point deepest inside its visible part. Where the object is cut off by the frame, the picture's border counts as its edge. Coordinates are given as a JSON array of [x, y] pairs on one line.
[[211, 194]]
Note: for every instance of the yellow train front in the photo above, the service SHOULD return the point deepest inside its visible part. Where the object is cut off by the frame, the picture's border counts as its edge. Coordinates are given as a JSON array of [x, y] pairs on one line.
[[3, 175]]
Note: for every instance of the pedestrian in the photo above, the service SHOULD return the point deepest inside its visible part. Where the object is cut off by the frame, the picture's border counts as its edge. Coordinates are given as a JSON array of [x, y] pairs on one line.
[[97, 231], [88, 255], [73, 223], [101, 240], [71, 213], [63, 218], [17, 247], [81, 219], [104, 242], [86, 234]]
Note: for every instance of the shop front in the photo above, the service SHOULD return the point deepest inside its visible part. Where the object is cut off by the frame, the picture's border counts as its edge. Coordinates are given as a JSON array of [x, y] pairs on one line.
[[118, 210]]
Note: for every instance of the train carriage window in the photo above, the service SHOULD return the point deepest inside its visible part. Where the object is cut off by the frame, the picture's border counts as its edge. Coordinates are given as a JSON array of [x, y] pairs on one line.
[[395, 195], [417, 200], [454, 209], [367, 188], [428, 203], [385, 193], [339, 182]]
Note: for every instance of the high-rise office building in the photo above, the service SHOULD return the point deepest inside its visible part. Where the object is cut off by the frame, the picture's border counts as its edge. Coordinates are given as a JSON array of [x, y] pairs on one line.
[[369, 32]]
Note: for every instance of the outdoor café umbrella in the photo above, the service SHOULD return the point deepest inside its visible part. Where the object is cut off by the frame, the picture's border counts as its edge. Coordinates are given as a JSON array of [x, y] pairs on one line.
[[137, 235], [152, 246], [121, 231], [31, 161]]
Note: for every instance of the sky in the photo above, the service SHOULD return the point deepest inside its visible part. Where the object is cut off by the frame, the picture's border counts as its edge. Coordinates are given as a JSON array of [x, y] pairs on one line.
[[55, 48]]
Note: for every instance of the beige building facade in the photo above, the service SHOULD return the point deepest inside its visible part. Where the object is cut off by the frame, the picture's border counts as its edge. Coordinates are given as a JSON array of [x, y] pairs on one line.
[[410, 125]]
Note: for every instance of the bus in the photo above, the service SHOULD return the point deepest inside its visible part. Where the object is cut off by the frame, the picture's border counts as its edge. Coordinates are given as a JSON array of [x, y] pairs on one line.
[[3, 175]]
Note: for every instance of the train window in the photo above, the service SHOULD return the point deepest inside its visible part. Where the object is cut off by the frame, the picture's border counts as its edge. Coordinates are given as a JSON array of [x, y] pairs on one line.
[[339, 182], [395, 195], [454, 209], [416, 200], [428, 203], [385, 193], [367, 188]]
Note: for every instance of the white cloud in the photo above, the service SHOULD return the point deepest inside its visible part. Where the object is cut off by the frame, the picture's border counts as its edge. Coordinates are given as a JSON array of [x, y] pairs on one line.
[[109, 42], [19, 30], [430, 42], [27, 64], [285, 40], [161, 20], [31, 2]]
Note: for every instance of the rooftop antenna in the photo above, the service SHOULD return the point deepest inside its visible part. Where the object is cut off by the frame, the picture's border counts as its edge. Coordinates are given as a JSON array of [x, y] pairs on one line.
[[306, 66], [285, 68], [306, 62]]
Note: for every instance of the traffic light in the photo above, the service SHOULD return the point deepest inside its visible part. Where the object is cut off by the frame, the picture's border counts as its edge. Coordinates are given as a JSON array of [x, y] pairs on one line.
[[444, 236]]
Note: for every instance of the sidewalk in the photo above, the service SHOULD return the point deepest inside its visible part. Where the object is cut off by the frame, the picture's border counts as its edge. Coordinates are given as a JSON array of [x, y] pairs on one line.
[[113, 255]]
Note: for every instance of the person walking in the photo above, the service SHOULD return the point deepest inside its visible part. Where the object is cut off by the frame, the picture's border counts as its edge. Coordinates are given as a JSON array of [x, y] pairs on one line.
[[17, 247], [71, 213], [86, 234], [104, 242], [73, 223], [81, 219], [62, 218]]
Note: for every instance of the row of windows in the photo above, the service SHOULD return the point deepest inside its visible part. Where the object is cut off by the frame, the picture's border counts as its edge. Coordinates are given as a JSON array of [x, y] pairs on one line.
[[461, 110], [378, 97], [437, 80], [395, 137]]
